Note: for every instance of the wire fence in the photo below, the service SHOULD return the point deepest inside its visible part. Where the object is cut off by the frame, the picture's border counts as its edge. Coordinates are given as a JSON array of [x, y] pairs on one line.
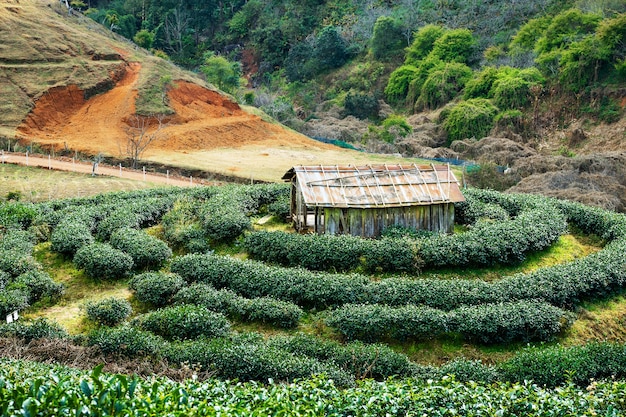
[[97, 168]]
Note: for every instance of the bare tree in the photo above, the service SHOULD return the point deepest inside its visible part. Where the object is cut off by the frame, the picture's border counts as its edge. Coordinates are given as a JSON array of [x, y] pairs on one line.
[[176, 25], [142, 131]]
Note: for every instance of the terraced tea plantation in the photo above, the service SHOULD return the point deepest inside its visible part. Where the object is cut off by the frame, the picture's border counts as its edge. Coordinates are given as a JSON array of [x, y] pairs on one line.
[[190, 282]]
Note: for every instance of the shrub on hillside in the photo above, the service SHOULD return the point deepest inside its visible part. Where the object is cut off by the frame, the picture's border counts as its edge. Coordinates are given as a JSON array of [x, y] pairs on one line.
[[373, 322], [443, 83], [127, 341], [362, 106], [264, 309], [69, 236], [39, 285], [13, 299], [147, 251], [156, 288], [469, 119], [109, 311], [40, 328], [512, 92], [101, 261], [16, 263], [185, 322], [522, 321]]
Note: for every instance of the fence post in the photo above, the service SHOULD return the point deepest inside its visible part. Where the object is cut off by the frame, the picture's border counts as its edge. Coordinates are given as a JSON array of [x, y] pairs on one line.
[[144, 173], [49, 162], [26, 158], [120, 170], [190, 180], [167, 175]]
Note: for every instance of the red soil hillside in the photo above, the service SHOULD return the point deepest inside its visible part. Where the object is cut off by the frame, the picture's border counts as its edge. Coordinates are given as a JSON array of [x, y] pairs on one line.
[[81, 96], [203, 119]]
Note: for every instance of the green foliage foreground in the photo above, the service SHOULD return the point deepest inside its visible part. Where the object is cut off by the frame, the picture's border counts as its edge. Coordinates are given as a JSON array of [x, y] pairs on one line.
[[63, 392]]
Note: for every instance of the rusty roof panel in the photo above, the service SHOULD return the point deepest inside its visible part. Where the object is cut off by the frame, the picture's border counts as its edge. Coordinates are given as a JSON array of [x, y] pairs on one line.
[[373, 186]]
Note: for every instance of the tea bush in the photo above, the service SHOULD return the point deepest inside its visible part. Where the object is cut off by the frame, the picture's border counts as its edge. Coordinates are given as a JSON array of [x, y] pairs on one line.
[[13, 299], [250, 361], [40, 328], [39, 285], [374, 322], [109, 311], [69, 236], [486, 323], [557, 365], [102, 261], [184, 322], [156, 288], [36, 388], [127, 341], [16, 215], [147, 251], [264, 309], [360, 360], [522, 321]]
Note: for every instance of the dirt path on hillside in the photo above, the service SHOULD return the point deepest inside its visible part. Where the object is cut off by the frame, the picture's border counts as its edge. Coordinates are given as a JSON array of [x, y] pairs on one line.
[[87, 168]]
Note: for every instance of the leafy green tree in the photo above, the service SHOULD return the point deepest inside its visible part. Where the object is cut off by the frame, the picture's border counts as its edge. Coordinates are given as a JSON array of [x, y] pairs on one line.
[[481, 83], [443, 84], [300, 64], [472, 118], [582, 63], [331, 50], [224, 74], [565, 28], [387, 39], [144, 38], [423, 43], [362, 106], [456, 45], [398, 85], [527, 36]]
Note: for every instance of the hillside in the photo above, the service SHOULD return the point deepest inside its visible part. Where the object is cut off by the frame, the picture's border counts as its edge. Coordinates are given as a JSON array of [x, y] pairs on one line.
[[69, 85]]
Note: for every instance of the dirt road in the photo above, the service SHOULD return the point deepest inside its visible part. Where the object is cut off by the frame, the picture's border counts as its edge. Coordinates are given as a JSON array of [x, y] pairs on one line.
[[88, 168]]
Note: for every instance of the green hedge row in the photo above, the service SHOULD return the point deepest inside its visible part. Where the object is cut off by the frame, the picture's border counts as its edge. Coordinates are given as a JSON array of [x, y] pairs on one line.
[[102, 261], [487, 323], [184, 322], [502, 241], [29, 388], [109, 311], [561, 285], [145, 250], [156, 288], [252, 279], [334, 253], [249, 356], [546, 366], [22, 280], [263, 310]]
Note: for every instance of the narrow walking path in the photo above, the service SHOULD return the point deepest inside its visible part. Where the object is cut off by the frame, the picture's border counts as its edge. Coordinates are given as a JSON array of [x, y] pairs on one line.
[[100, 169]]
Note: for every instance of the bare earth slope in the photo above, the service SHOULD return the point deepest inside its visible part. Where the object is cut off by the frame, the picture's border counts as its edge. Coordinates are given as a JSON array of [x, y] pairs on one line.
[[67, 84]]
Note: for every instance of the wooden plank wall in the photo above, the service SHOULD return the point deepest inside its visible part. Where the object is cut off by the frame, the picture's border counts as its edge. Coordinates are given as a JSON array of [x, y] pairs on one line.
[[371, 222]]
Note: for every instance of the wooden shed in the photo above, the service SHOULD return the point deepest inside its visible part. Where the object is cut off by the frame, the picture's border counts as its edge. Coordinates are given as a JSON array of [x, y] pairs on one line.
[[364, 200]]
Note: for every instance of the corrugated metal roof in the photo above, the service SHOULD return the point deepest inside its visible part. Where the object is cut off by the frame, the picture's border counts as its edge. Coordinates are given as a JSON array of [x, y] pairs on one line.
[[373, 186]]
